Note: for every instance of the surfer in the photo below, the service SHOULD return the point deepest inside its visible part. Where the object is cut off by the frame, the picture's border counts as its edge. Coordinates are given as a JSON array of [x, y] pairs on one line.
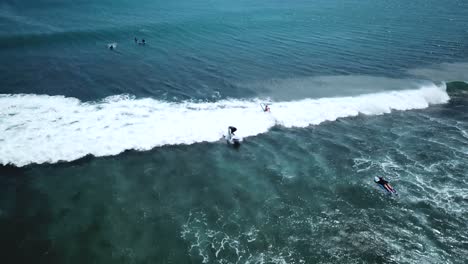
[[385, 184], [232, 138], [111, 47], [266, 108], [232, 130], [136, 40]]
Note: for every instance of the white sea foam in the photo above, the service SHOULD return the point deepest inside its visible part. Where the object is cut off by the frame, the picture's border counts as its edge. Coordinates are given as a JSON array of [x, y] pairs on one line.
[[48, 129]]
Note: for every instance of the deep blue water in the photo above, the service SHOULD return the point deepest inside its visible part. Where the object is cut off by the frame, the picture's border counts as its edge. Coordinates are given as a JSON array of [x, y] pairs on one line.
[[197, 49], [117, 156]]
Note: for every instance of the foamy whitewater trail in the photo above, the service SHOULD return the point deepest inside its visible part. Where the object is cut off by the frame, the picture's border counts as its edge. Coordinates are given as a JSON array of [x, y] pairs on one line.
[[40, 128]]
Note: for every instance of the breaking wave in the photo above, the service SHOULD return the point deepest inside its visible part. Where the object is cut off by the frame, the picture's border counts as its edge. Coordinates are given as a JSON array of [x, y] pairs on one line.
[[49, 129]]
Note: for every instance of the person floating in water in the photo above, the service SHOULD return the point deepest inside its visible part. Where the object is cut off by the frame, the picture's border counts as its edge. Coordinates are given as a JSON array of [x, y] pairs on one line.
[[111, 47], [385, 184], [136, 40], [143, 41]]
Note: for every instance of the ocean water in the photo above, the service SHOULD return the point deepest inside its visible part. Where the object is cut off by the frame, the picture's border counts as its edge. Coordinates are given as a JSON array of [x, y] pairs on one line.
[[117, 156]]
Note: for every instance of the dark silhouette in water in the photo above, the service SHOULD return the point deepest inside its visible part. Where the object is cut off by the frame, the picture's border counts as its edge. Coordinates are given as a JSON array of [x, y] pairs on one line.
[[385, 184], [136, 40], [232, 130]]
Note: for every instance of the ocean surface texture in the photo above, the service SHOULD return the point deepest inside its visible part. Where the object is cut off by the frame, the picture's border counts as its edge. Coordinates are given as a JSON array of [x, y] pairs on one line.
[[112, 150]]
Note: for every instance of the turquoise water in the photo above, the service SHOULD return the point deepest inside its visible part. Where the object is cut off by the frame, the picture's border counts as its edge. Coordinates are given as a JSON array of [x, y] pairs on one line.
[[118, 157]]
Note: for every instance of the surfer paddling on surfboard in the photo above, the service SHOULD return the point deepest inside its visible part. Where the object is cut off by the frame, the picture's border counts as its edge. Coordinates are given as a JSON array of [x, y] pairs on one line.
[[384, 184]]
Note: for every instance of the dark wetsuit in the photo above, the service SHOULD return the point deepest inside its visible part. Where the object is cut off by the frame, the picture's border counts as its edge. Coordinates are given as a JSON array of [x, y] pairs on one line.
[[382, 181], [232, 129], [385, 184]]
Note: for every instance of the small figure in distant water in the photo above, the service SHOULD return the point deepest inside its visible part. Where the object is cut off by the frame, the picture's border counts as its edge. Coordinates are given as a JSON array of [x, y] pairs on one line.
[[385, 184], [143, 42], [136, 40], [267, 108], [111, 47]]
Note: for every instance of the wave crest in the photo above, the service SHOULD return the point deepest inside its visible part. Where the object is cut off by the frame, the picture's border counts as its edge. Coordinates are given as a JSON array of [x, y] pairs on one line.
[[49, 129]]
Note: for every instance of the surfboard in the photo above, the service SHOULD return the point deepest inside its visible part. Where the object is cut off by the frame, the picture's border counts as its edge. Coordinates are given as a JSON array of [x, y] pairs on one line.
[[387, 191]]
